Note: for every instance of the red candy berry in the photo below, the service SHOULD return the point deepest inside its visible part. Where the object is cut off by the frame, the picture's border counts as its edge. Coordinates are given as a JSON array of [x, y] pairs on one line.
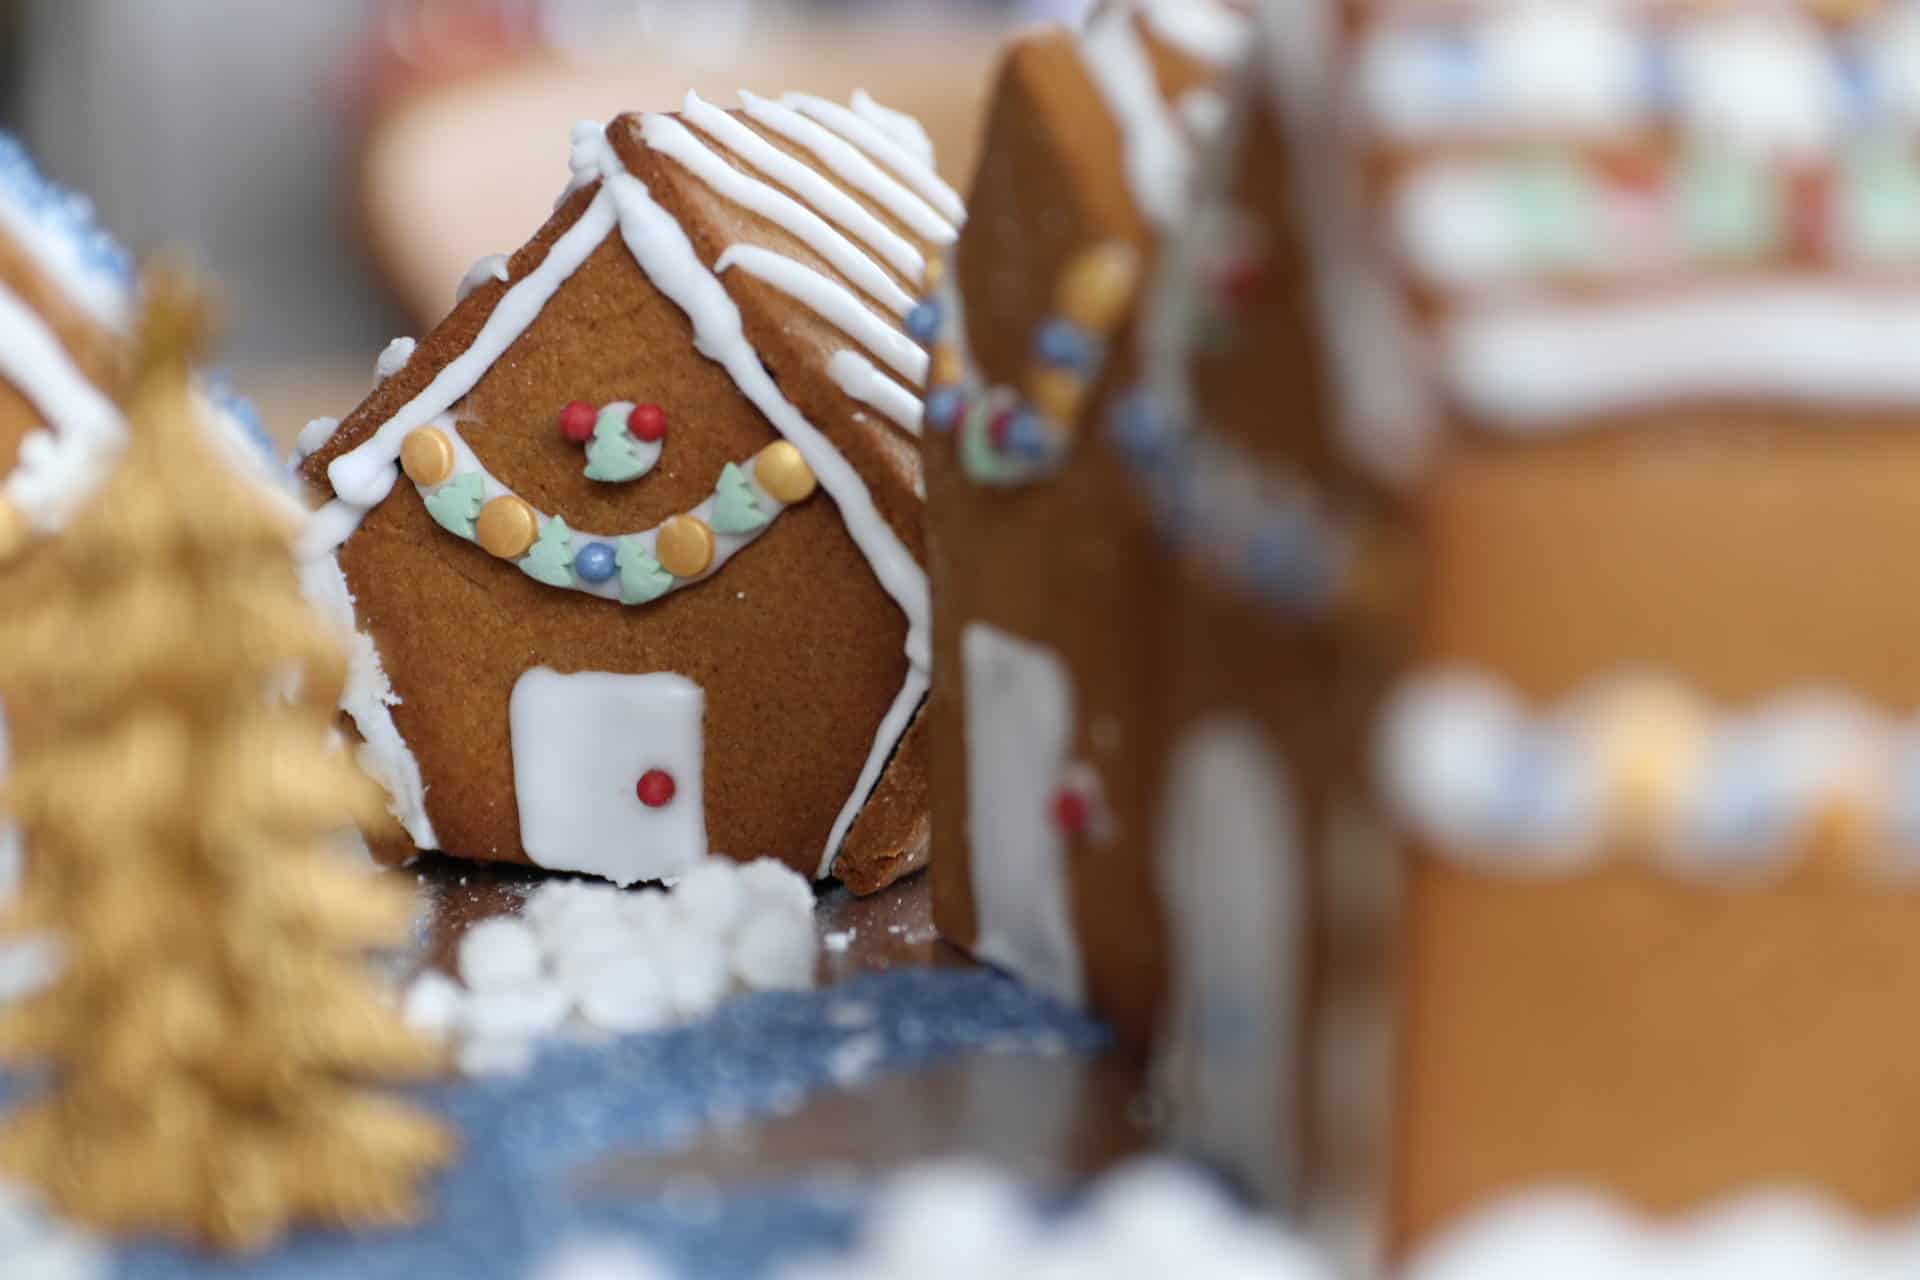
[[656, 788], [998, 428], [648, 423], [1071, 813], [576, 422], [1244, 281]]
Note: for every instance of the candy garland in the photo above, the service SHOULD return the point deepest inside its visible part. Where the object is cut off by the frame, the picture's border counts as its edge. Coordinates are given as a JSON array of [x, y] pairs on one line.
[[1640, 765], [1006, 437], [636, 568]]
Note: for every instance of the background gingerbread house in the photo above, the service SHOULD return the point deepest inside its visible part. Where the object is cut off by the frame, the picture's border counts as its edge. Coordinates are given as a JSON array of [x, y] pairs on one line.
[[710, 328]]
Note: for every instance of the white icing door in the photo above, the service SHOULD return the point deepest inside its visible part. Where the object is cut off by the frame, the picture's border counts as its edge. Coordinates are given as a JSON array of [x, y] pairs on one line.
[[607, 772], [1229, 862], [1019, 704]]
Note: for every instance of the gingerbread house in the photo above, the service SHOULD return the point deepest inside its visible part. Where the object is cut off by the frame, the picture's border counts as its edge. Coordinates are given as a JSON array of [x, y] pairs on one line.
[[632, 541], [1650, 308], [1046, 566]]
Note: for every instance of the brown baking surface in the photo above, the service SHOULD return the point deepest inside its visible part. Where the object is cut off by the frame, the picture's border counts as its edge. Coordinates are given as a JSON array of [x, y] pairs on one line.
[[1667, 1041], [800, 651]]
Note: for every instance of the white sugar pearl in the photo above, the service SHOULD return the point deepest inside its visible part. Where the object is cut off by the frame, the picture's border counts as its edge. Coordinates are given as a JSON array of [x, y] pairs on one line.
[[694, 968], [710, 897], [623, 998], [774, 884], [495, 1056], [601, 1260], [499, 953], [432, 1004], [953, 1219], [775, 951], [527, 1009], [559, 908]]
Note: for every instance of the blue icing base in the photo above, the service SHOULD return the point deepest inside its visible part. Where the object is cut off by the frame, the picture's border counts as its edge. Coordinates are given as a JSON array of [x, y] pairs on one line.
[[513, 1194], [62, 213]]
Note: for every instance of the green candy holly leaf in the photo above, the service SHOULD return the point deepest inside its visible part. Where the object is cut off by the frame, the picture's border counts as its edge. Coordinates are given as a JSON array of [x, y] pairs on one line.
[[551, 559], [641, 577], [614, 456], [455, 504], [1731, 206], [735, 509]]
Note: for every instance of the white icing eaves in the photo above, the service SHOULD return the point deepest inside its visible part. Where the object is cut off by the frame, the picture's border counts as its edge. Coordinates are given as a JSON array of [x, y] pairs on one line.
[[1205, 30], [862, 381], [100, 293], [807, 182], [852, 166], [671, 138], [60, 464], [833, 303], [1534, 365], [1157, 158]]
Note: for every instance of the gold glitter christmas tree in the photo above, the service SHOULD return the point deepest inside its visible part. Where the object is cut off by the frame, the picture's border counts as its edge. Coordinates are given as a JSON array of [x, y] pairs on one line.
[[214, 1028]]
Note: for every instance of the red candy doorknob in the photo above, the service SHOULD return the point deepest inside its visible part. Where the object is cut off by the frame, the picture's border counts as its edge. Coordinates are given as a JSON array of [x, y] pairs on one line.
[[1071, 812], [576, 422], [656, 788]]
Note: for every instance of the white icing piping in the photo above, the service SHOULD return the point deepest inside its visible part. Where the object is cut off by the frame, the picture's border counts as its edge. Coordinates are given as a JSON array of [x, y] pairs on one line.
[[491, 267], [1158, 161], [1386, 414], [99, 293], [852, 167], [862, 381], [852, 216], [364, 476], [1204, 30], [1489, 780], [671, 138], [1527, 364], [886, 740], [58, 466], [917, 172], [367, 700], [660, 245], [898, 125], [725, 545], [833, 303]]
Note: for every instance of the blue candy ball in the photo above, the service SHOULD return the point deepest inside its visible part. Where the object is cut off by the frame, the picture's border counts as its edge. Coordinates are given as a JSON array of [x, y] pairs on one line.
[[1028, 436], [944, 407], [1063, 345], [595, 562], [923, 322]]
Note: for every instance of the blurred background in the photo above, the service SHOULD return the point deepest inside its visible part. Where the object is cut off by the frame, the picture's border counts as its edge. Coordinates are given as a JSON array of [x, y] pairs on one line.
[[339, 164]]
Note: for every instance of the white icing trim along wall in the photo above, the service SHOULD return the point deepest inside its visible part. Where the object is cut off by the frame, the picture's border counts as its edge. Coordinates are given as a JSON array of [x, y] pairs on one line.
[[848, 143], [1521, 364], [1572, 1236], [1484, 778]]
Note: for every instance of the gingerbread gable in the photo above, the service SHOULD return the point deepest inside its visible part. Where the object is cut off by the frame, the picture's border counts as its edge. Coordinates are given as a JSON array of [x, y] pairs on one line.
[[716, 315]]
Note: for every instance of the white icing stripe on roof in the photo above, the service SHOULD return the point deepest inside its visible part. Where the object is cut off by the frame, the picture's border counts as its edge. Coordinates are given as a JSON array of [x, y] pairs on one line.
[[898, 125], [854, 374], [917, 172], [808, 183], [833, 303], [671, 138], [851, 166], [1158, 159], [58, 464]]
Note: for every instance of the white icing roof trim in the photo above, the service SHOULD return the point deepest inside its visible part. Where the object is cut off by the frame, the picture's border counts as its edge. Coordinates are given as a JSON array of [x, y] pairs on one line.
[[1159, 162], [1482, 777], [1576, 1236], [59, 464], [57, 228], [1531, 365], [1205, 30]]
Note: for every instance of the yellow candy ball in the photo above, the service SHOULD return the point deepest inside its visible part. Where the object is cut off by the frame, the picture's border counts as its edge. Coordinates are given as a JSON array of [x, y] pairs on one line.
[[1097, 287], [935, 274], [507, 527], [15, 532], [427, 457], [944, 368], [1058, 394], [685, 547], [783, 473]]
